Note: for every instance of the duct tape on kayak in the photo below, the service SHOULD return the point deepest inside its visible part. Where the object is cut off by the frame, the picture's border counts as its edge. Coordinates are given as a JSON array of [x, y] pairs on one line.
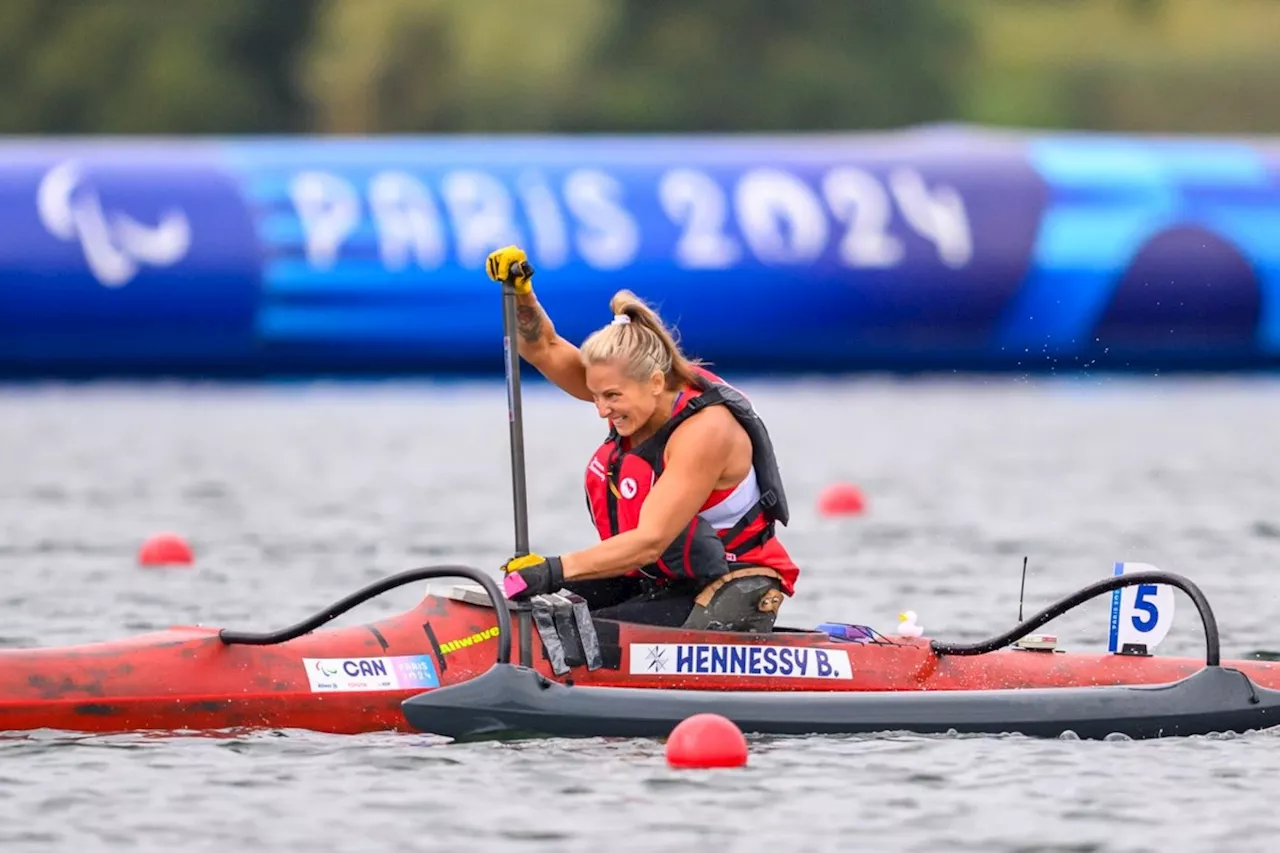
[[1141, 615]]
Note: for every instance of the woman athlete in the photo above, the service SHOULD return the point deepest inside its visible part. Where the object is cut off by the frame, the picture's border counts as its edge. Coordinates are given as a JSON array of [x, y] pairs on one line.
[[685, 490]]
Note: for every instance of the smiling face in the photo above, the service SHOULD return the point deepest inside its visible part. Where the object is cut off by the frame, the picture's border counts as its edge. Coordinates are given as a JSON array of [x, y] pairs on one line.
[[627, 403]]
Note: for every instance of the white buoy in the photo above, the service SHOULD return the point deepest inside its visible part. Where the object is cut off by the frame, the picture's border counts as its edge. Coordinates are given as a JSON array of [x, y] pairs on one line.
[[907, 626]]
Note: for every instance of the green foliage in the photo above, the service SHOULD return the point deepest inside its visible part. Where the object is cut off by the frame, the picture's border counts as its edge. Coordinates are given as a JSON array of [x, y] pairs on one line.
[[766, 65], [628, 65], [1140, 65], [449, 65], [377, 66], [151, 66]]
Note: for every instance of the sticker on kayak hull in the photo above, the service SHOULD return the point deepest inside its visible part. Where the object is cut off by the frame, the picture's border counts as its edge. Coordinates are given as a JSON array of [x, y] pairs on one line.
[[466, 642], [740, 660], [356, 675]]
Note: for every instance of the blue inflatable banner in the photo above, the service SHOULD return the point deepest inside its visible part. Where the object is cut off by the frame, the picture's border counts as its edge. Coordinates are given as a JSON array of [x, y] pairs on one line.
[[933, 248]]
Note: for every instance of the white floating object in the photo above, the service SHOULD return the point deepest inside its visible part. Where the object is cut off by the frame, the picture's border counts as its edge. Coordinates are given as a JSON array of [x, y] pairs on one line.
[[907, 626], [1038, 642]]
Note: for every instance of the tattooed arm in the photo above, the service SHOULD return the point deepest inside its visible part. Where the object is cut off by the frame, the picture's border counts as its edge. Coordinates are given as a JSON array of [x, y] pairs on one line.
[[553, 356]]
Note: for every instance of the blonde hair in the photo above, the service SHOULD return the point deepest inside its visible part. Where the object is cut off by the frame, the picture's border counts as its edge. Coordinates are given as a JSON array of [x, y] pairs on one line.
[[641, 342]]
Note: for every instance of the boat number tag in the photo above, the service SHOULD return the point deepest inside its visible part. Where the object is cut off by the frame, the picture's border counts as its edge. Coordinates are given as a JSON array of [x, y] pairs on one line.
[[1140, 614]]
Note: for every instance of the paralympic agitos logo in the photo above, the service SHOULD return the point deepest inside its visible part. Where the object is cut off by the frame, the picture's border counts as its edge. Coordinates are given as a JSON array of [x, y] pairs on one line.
[[115, 245], [325, 669]]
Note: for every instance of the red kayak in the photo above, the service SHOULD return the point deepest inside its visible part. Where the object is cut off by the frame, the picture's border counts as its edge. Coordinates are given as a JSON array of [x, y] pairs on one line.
[[354, 679]]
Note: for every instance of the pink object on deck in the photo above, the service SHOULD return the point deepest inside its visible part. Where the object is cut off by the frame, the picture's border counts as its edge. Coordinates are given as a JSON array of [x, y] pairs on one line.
[[513, 584]]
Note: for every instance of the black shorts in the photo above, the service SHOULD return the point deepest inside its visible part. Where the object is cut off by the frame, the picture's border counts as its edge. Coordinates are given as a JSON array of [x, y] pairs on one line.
[[632, 599]]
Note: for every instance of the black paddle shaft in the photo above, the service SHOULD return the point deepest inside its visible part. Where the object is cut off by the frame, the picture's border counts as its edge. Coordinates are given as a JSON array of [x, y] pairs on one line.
[[515, 412]]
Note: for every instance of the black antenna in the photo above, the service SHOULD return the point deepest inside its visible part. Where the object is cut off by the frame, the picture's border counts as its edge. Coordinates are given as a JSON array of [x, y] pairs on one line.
[[1022, 591]]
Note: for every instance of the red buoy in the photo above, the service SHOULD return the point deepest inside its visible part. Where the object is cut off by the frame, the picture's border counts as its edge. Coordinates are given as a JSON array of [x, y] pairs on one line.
[[706, 740], [841, 499], [165, 549]]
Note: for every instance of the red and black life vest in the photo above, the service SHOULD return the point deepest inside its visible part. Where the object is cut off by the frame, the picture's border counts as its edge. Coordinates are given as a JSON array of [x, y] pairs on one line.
[[618, 479]]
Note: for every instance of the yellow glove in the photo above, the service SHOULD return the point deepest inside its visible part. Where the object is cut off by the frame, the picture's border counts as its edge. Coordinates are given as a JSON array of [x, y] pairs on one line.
[[508, 262], [515, 564]]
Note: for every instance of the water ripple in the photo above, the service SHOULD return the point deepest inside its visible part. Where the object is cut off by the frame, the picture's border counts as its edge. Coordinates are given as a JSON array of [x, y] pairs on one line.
[[296, 495]]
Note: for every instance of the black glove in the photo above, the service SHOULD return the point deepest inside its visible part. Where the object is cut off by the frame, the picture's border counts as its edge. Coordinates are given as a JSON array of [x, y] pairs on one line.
[[531, 575]]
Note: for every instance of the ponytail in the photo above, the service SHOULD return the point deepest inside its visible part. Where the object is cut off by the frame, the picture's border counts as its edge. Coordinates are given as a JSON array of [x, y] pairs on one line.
[[638, 337]]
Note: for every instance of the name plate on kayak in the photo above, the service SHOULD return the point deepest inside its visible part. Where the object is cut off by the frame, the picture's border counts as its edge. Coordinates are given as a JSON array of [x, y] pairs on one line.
[[752, 660]]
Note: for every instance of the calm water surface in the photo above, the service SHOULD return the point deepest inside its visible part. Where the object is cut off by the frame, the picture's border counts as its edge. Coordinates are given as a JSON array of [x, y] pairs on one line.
[[295, 495]]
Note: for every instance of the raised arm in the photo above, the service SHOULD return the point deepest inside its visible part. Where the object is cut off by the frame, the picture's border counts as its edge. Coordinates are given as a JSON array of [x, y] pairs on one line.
[[537, 341]]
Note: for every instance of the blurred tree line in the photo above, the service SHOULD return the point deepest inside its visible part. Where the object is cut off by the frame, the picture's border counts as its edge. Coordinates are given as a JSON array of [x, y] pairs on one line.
[[368, 66]]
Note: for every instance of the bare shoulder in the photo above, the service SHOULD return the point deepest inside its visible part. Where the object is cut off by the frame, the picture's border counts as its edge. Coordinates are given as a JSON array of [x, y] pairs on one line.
[[710, 433]]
